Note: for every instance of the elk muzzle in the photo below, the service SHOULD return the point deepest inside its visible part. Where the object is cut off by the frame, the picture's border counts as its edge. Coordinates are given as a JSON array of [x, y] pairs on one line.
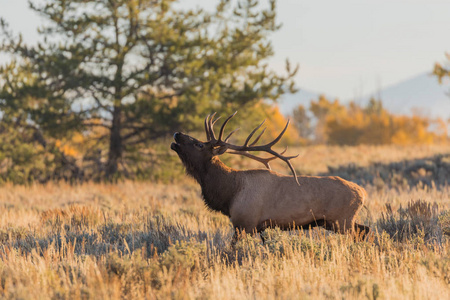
[[181, 140], [176, 146]]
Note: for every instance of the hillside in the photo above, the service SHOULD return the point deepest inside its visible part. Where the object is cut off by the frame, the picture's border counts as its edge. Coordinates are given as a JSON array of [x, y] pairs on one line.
[[420, 94]]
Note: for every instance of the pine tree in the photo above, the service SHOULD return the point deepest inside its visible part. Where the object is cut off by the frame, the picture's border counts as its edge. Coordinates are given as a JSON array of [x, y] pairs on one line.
[[139, 68]]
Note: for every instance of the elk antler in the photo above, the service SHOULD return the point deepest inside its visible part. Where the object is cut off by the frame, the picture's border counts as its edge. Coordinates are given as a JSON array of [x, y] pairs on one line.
[[244, 149]]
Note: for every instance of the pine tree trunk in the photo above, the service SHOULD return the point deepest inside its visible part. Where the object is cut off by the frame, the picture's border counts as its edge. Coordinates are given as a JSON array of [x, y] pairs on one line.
[[115, 144]]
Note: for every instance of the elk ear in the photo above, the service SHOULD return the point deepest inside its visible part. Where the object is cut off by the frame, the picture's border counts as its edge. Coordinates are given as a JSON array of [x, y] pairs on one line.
[[219, 150]]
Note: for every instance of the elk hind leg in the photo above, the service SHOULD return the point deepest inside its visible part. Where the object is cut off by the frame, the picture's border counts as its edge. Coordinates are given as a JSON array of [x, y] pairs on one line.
[[262, 227], [270, 224]]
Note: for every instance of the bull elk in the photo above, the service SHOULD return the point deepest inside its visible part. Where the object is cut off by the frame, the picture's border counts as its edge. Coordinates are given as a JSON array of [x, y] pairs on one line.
[[257, 199]]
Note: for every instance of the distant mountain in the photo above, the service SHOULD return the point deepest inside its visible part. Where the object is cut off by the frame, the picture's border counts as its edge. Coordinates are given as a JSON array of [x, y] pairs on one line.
[[421, 94]]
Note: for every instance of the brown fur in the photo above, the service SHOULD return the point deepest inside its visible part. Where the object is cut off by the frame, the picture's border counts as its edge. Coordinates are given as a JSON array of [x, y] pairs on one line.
[[257, 199]]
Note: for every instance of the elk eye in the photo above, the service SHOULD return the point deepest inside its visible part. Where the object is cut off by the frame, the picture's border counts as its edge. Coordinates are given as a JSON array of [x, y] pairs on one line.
[[199, 145]]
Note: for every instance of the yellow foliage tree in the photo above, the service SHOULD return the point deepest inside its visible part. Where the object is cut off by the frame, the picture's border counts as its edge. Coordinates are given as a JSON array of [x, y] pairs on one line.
[[250, 117], [374, 125], [322, 110]]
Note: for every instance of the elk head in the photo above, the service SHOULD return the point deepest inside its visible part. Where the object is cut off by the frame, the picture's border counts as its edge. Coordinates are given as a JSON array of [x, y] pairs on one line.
[[196, 154]]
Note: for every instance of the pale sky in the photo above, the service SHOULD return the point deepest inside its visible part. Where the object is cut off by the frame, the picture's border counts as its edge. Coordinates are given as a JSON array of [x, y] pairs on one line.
[[345, 48]]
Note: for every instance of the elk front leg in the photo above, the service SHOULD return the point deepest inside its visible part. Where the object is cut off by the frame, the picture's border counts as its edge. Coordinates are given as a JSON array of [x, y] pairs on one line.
[[242, 224], [236, 236], [239, 232]]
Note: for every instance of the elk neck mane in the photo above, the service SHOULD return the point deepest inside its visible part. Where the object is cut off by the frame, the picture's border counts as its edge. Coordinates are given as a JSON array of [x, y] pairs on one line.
[[218, 182]]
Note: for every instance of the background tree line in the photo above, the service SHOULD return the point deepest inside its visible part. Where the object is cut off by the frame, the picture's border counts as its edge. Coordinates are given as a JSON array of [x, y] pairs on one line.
[[111, 79], [333, 123]]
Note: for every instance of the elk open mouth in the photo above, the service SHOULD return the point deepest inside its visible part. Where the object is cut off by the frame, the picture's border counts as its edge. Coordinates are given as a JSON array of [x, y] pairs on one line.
[[174, 147]]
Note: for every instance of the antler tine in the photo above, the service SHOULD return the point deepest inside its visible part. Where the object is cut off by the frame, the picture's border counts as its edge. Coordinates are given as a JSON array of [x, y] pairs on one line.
[[258, 137], [293, 170], [252, 133], [262, 160], [211, 123], [215, 121], [225, 124], [231, 133], [208, 136], [286, 160], [280, 135]]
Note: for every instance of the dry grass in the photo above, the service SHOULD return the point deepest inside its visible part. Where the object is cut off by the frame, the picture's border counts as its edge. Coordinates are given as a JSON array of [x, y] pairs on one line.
[[149, 240]]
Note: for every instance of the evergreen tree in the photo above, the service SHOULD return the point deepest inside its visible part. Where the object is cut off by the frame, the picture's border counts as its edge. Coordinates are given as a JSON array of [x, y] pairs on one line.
[[138, 68]]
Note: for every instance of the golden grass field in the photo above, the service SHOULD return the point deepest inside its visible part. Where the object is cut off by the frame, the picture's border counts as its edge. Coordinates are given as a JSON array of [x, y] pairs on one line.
[[158, 241]]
